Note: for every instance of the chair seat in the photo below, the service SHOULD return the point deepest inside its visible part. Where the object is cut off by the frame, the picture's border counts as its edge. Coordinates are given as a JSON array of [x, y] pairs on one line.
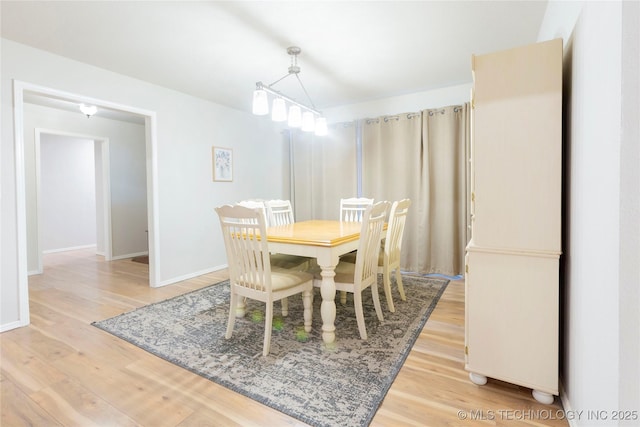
[[283, 278], [289, 261]]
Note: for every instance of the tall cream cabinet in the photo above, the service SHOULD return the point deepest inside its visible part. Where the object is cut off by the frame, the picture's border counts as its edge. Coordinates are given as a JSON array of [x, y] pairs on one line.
[[512, 260]]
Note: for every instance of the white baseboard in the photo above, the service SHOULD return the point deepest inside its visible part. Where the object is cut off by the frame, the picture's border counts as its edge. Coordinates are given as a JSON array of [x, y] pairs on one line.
[[12, 325], [72, 248], [125, 256], [566, 406], [190, 275]]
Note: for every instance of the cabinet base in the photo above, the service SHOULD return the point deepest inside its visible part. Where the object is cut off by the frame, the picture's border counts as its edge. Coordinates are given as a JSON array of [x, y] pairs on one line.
[[542, 397], [477, 378]]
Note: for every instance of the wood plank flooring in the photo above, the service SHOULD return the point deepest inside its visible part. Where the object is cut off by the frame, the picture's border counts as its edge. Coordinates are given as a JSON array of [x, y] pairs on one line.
[[61, 371]]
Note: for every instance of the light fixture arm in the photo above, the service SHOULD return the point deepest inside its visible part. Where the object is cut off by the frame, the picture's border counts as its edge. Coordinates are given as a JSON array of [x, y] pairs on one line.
[[261, 86]]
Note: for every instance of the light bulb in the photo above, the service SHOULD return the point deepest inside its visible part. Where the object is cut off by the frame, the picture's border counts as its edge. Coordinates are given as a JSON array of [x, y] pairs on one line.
[[321, 126], [308, 122], [279, 110], [295, 116], [260, 102]]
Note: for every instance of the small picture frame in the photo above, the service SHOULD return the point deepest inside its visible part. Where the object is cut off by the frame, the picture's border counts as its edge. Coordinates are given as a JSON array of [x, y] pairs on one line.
[[222, 164]]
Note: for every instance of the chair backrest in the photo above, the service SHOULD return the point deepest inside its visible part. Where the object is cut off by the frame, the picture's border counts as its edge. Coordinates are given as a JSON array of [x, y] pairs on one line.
[[366, 270], [352, 209], [395, 230], [247, 254], [256, 204], [279, 212]]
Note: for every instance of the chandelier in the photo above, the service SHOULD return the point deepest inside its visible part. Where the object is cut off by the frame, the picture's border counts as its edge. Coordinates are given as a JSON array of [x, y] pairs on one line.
[[297, 115]]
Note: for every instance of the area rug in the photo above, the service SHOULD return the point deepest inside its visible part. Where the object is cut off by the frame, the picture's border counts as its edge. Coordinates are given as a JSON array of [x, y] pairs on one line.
[[341, 384]]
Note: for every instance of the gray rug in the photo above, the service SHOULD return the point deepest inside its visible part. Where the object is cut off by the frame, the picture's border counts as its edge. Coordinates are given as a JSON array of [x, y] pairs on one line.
[[342, 384]]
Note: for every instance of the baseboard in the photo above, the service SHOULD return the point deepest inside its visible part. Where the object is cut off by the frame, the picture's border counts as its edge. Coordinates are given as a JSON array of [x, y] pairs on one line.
[[12, 325], [113, 258], [566, 406], [72, 248], [190, 276]]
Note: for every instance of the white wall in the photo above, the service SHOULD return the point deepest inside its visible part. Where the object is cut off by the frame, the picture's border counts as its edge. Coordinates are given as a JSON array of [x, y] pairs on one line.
[[436, 98], [68, 193], [189, 241], [601, 333]]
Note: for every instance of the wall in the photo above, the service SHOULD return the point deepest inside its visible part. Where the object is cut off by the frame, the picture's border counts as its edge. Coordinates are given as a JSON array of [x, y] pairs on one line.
[[68, 193], [188, 237], [435, 98], [600, 368]]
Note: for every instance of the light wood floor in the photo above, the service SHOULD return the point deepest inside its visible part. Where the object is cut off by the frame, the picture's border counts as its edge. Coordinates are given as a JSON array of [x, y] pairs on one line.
[[60, 370]]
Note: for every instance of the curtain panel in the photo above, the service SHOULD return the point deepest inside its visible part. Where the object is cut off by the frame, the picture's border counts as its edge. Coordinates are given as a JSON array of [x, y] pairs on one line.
[[422, 156], [324, 171]]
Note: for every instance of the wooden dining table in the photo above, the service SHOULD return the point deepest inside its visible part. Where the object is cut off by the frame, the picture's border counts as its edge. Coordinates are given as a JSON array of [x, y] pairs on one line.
[[324, 240]]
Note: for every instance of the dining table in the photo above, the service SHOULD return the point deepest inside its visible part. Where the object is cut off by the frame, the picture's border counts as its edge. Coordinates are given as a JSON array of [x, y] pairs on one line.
[[326, 241]]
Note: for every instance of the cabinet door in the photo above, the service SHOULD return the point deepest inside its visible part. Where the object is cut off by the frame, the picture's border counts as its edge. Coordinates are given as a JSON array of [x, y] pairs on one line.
[[517, 148], [512, 319]]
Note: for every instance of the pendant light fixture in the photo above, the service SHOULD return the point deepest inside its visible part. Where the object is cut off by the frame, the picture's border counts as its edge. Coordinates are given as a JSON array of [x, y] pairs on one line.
[[299, 115]]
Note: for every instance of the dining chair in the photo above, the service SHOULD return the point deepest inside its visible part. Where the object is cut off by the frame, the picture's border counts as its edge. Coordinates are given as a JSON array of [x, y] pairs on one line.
[[279, 212], [250, 272], [352, 209], [256, 204], [278, 260], [389, 259], [355, 278]]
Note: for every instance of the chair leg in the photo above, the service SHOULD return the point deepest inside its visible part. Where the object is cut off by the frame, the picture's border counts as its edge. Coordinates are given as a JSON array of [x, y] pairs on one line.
[[386, 279], [307, 301], [400, 287], [357, 302], [268, 324], [343, 297], [233, 301], [376, 300], [284, 302]]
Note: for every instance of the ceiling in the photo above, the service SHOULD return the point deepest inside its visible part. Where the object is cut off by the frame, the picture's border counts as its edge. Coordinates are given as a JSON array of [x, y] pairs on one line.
[[352, 51]]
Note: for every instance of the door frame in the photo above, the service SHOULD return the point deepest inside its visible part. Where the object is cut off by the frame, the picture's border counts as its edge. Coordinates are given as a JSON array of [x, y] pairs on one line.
[[19, 89]]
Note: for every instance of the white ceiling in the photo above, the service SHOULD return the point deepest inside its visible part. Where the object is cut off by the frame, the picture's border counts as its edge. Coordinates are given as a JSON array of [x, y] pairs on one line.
[[351, 51]]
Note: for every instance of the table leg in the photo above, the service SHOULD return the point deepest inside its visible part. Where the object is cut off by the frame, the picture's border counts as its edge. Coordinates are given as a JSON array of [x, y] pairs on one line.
[[328, 306]]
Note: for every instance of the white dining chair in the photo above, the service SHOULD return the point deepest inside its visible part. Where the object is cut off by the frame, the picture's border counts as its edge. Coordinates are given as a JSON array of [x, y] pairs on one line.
[[352, 209], [256, 204], [389, 259], [250, 272], [279, 212], [355, 278]]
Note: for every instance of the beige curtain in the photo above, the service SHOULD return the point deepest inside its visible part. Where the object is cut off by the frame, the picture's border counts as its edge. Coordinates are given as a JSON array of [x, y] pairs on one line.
[[422, 156], [324, 171]]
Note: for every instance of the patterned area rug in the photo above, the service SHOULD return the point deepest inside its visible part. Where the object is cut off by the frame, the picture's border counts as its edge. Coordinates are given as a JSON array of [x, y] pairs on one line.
[[342, 384]]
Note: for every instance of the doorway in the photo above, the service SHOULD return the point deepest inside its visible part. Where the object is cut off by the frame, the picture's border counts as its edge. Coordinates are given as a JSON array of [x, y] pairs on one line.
[[22, 90], [79, 166]]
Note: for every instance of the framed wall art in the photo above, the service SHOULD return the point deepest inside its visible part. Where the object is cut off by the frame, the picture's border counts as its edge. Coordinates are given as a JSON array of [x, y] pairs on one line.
[[222, 164]]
